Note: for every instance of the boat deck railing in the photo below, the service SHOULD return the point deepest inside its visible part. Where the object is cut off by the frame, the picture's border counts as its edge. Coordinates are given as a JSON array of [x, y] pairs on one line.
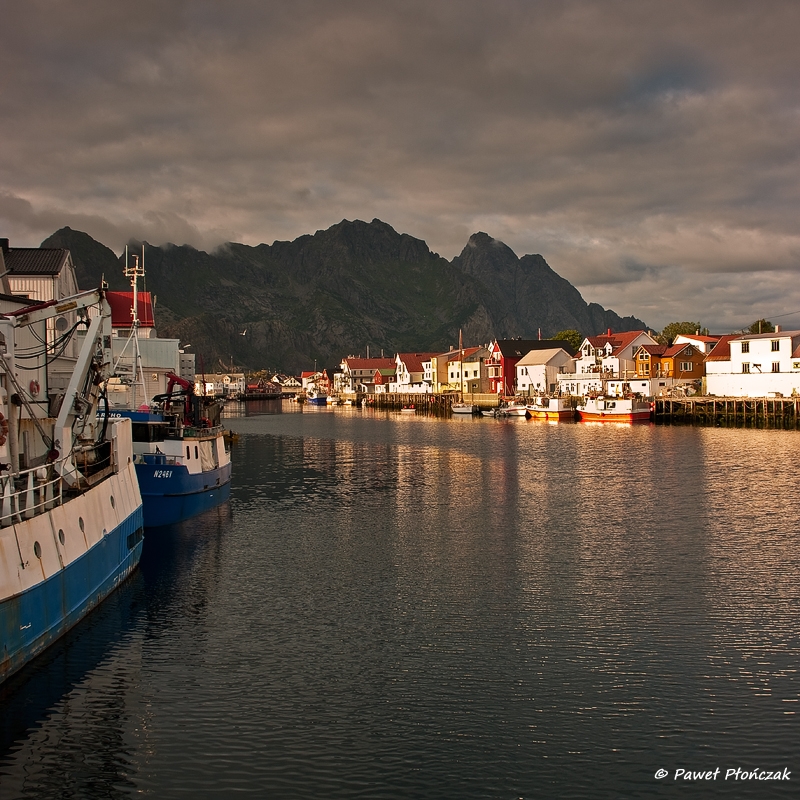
[[29, 493]]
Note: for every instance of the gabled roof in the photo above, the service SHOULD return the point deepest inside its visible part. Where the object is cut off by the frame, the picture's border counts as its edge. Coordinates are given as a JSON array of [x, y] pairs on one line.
[[413, 361], [35, 260], [653, 349], [516, 348], [618, 341], [536, 357], [722, 349], [121, 304], [696, 337]]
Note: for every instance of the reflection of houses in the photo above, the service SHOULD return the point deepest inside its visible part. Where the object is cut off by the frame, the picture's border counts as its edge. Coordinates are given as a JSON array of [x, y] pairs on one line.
[[538, 371], [755, 365], [504, 355]]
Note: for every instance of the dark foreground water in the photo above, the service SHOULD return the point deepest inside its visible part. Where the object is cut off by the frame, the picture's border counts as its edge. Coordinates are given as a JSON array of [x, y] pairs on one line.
[[400, 607]]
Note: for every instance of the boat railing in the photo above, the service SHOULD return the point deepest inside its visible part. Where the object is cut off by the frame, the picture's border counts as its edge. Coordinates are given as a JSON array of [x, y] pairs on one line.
[[159, 460], [29, 493], [198, 432]]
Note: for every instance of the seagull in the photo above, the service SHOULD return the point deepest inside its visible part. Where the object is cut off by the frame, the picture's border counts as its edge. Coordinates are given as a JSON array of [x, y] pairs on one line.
[[244, 332]]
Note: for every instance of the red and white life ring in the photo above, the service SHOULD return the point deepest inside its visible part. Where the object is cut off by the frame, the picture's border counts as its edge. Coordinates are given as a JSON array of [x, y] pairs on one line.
[[34, 388]]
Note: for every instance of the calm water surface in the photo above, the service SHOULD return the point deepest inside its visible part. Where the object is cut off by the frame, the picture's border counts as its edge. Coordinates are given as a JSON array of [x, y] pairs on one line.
[[394, 606]]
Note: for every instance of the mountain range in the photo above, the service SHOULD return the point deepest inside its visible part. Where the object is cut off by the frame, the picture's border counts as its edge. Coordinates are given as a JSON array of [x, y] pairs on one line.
[[357, 285]]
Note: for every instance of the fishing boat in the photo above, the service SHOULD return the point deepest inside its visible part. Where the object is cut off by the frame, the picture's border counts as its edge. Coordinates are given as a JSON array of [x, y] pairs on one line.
[[71, 523], [182, 463], [464, 408], [550, 408], [316, 398], [614, 409]]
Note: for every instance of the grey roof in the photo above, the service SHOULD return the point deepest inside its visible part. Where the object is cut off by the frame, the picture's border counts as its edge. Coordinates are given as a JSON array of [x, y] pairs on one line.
[[35, 260]]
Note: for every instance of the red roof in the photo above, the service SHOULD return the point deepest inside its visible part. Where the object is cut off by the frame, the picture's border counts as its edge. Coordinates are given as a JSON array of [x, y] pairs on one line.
[[121, 305], [413, 361], [722, 349], [618, 341]]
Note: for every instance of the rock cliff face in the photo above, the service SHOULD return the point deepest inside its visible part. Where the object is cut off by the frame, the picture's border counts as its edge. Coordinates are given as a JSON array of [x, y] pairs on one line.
[[340, 290]]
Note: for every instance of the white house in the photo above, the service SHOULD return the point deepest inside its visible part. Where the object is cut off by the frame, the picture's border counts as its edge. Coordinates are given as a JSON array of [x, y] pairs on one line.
[[538, 371], [609, 356], [414, 373], [755, 365], [705, 344]]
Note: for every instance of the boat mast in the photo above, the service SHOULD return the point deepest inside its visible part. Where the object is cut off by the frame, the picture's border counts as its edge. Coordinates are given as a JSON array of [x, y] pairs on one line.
[[134, 273]]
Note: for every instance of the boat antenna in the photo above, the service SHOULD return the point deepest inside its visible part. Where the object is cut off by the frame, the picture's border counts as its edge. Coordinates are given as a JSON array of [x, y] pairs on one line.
[[134, 273]]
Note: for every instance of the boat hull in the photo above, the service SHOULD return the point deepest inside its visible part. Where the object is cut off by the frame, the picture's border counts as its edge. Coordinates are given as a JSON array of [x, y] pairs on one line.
[[170, 493], [543, 413], [317, 401], [33, 619]]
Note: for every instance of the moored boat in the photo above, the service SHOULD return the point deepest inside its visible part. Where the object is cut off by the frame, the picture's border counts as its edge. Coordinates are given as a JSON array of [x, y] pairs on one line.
[[516, 408], [315, 397], [614, 409], [71, 525], [464, 408], [182, 462], [550, 408]]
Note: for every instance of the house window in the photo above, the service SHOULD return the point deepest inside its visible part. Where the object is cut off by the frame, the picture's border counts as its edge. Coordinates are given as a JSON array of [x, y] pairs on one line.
[[776, 345], [643, 356], [745, 367], [746, 348], [776, 366], [686, 366]]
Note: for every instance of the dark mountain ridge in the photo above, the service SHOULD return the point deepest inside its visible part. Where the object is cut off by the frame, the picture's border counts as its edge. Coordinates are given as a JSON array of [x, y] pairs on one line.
[[335, 292]]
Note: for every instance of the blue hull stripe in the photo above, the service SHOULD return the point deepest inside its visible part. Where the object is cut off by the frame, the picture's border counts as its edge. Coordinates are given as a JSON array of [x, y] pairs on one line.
[[171, 494], [34, 619]]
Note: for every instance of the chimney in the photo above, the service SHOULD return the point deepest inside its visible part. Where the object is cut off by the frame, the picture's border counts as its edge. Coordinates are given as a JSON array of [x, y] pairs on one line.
[[4, 246], [777, 329], [609, 332]]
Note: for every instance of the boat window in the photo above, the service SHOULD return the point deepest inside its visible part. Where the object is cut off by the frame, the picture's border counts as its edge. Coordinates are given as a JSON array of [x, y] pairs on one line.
[[142, 432], [81, 525], [195, 452], [61, 535], [37, 549], [187, 451], [113, 503]]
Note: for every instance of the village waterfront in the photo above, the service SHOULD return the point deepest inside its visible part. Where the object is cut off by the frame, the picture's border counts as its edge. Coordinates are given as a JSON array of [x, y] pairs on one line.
[[401, 606]]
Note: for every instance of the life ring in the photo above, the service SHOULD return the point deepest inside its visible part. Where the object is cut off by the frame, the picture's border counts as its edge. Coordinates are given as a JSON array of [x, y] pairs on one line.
[[34, 388], [3, 429], [205, 422]]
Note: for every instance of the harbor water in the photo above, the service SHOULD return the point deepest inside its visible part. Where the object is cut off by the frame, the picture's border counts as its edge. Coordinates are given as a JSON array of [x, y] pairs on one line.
[[399, 606]]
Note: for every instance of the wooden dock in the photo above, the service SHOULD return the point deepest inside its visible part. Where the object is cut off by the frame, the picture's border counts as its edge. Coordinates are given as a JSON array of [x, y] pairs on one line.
[[428, 403], [751, 412]]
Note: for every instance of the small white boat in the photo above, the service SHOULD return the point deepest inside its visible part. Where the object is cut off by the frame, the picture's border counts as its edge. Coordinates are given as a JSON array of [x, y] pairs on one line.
[[464, 408], [516, 408]]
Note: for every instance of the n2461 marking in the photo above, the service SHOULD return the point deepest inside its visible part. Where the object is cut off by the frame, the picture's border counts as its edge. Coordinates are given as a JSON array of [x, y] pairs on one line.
[[162, 473]]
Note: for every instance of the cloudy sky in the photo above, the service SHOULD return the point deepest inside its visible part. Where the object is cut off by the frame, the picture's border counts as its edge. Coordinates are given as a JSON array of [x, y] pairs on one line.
[[649, 150]]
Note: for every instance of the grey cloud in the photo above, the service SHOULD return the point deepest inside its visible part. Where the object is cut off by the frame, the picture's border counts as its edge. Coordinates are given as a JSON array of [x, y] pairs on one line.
[[608, 137]]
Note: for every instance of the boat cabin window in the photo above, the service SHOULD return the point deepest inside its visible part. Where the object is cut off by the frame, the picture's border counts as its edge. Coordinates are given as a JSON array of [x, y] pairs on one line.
[[187, 452], [196, 454], [142, 432]]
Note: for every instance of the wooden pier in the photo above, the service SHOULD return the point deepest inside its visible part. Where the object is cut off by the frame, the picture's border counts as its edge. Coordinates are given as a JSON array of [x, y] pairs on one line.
[[751, 412], [427, 403]]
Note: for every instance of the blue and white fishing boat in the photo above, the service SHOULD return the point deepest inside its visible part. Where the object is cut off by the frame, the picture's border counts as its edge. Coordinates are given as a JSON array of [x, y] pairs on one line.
[[71, 524], [182, 463]]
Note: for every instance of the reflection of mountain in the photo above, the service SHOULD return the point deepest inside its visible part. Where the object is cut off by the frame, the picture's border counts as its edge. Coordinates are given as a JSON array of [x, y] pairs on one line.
[[341, 290]]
